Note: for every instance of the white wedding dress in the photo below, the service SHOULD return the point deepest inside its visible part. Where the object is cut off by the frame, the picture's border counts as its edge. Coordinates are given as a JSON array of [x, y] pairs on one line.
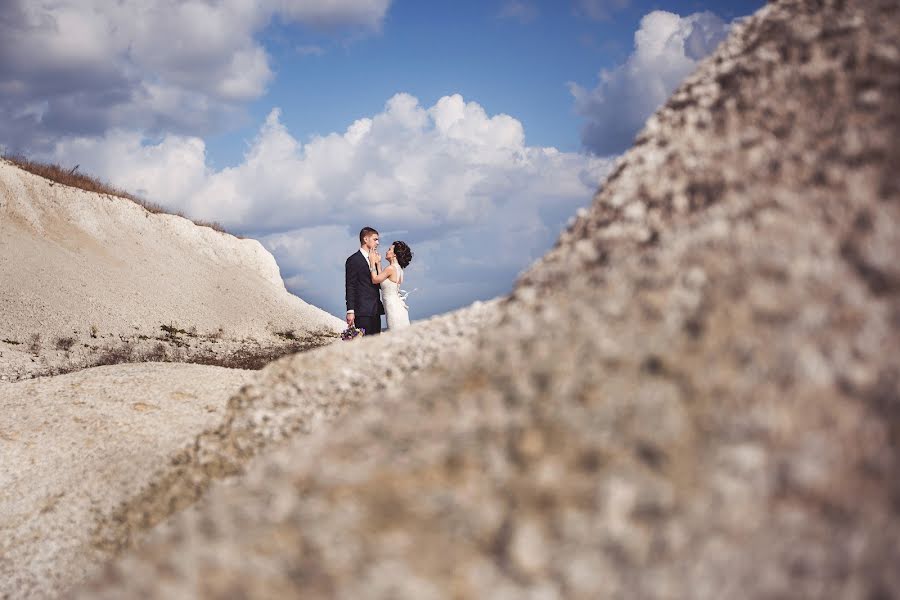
[[394, 300]]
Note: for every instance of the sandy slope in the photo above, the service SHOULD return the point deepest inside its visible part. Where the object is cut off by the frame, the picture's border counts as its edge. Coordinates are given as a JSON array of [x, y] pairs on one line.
[[81, 273], [71, 446]]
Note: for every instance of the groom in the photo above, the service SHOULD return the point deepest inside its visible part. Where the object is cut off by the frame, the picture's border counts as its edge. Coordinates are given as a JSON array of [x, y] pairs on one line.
[[364, 308]]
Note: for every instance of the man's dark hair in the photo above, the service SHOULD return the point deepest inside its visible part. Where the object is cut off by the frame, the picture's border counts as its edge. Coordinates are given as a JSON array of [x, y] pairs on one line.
[[364, 233]]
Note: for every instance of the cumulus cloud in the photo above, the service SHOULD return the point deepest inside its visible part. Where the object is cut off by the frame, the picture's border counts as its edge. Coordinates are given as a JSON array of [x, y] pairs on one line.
[[476, 203], [80, 67], [162, 170], [667, 48]]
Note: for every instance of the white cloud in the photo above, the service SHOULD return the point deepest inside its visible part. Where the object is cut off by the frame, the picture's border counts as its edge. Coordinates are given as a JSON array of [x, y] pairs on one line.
[[159, 171], [667, 48], [476, 203], [167, 65]]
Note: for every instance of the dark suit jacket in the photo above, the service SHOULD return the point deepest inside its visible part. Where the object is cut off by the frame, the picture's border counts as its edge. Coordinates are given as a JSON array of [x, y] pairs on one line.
[[362, 295]]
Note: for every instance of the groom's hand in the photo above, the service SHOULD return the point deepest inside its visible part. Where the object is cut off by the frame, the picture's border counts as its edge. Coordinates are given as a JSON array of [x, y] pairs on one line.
[[351, 317]]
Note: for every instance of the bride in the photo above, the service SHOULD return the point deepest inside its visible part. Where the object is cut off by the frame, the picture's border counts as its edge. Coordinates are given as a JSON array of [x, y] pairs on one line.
[[398, 256]]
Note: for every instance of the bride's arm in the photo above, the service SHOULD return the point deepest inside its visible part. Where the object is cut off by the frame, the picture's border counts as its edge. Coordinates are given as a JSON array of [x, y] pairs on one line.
[[379, 277]]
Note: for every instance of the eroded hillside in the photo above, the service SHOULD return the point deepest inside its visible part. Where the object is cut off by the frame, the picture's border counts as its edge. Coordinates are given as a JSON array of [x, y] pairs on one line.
[[89, 279]]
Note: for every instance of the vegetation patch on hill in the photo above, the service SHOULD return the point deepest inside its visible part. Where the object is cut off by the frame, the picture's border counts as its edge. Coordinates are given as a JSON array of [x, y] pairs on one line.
[[74, 178]]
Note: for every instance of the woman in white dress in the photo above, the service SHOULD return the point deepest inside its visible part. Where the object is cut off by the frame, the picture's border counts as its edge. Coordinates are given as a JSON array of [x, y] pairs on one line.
[[398, 256]]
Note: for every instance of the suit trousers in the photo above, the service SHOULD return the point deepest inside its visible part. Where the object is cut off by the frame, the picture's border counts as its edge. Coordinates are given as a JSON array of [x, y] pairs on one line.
[[372, 325]]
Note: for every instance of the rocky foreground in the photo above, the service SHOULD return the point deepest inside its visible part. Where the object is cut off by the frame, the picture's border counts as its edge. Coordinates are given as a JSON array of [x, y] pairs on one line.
[[92, 461], [74, 445], [694, 395]]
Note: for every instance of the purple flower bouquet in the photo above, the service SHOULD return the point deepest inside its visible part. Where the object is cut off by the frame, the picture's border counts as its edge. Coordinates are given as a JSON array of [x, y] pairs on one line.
[[351, 333]]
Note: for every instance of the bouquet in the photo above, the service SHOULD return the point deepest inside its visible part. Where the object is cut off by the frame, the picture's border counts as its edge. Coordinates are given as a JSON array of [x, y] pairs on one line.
[[351, 333]]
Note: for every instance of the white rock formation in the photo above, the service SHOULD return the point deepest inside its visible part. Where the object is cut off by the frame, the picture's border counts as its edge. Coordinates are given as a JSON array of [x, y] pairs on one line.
[[82, 273]]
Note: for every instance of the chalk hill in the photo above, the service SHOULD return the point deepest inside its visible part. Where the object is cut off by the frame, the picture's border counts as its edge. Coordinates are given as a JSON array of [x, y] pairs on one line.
[[85, 276]]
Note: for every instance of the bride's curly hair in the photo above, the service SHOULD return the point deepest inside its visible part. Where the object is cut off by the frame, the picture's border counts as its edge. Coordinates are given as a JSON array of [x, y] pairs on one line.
[[403, 253]]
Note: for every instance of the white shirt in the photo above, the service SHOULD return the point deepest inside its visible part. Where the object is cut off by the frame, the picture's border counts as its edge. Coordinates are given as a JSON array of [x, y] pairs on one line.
[[365, 253]]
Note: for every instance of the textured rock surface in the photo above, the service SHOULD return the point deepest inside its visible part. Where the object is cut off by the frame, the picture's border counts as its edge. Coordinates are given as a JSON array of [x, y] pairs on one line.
[[91, 460], [694, 395], [73, 446], [91, 279], [298, 394]]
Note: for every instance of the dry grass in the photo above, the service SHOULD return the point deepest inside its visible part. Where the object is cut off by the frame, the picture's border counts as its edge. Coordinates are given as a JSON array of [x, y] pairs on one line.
[[256, 358], [34, 345], [65, 343], [116, 356], [73, 178], [171, 349]]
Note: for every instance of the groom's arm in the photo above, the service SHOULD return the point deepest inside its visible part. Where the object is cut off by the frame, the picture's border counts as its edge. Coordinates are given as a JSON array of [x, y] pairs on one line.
[[351, 291]]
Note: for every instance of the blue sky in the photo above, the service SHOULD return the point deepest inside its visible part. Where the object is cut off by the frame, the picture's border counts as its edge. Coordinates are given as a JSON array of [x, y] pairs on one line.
[[432, 49], [472, 130]]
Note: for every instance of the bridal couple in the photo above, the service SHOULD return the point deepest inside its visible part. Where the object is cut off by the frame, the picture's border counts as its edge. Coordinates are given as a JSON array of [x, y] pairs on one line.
[[364, 276]]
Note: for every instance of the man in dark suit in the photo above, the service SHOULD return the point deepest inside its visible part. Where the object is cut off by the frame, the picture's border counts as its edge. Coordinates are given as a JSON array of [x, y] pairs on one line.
[[364, 308]]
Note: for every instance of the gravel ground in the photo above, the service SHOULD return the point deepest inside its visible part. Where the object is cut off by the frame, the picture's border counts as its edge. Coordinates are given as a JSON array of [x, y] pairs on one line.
[[72, 446]]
